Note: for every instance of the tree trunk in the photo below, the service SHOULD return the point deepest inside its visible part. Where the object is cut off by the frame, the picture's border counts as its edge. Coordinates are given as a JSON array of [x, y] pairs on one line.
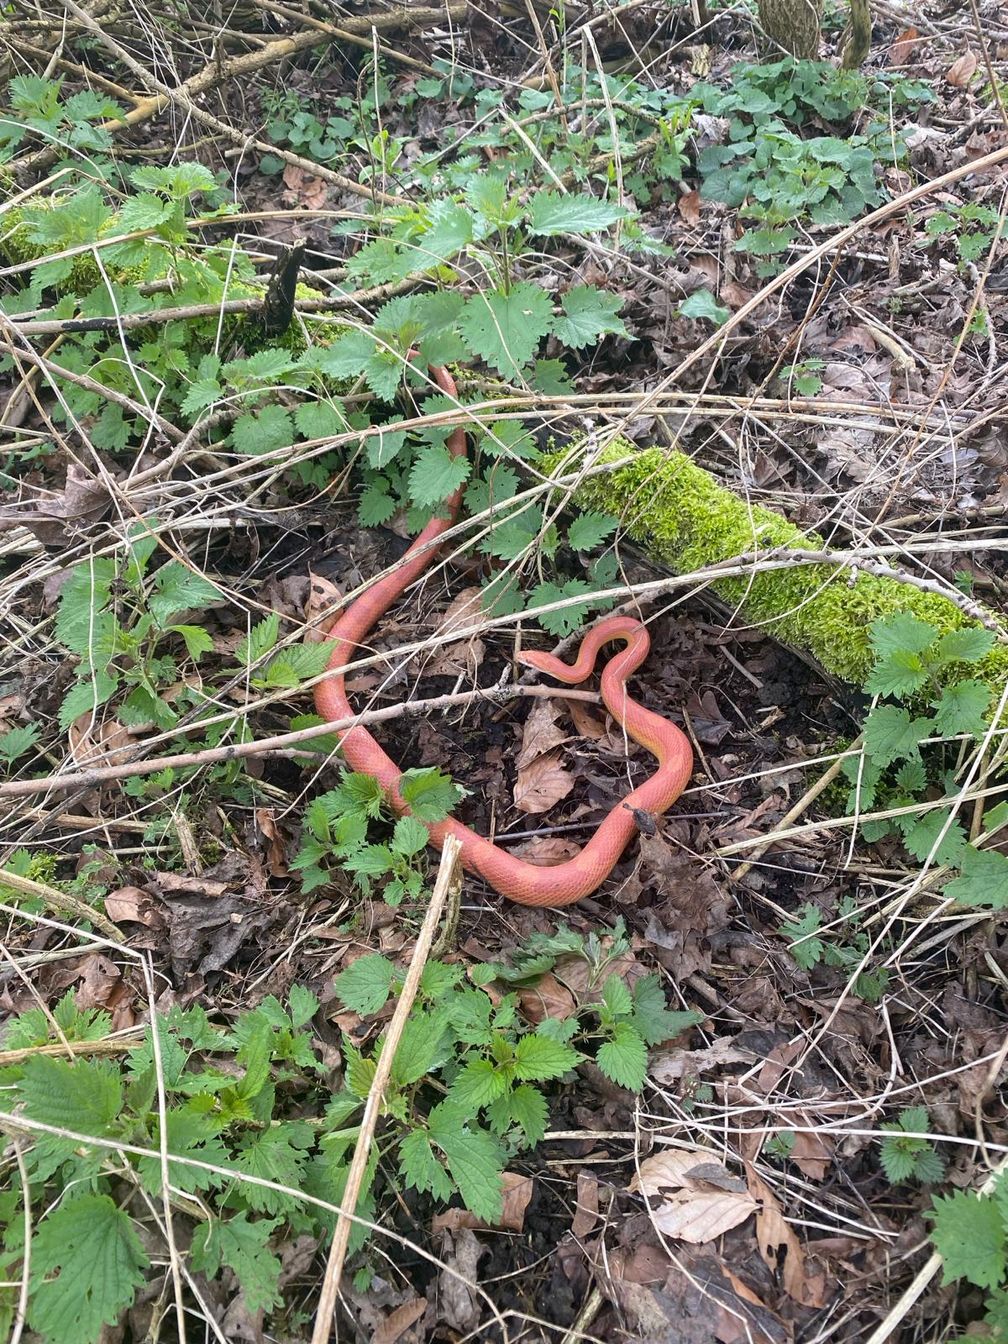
[[792, 26], [858, 43]]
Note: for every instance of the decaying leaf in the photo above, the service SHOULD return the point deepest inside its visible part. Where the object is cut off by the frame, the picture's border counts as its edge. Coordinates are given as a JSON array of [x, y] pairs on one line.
[[541, 784], [691, 1196]]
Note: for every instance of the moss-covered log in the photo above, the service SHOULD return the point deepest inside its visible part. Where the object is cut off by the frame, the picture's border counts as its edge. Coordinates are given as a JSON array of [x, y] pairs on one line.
[[683, 518]]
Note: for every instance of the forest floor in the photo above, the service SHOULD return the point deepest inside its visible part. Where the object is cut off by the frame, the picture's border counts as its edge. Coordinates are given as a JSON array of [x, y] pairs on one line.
[[170, 478]]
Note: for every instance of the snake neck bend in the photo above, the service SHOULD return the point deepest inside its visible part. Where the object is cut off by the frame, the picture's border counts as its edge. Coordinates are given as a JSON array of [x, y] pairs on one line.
[[524, 883]]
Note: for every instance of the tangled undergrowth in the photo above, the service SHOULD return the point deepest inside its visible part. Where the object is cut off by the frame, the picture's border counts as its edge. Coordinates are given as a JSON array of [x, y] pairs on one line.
[[726, 333]]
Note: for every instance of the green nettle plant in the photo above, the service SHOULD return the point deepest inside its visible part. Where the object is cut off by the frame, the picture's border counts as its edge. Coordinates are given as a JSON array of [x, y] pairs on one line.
[[905, 1156], [921, 731], [845, 952], [468, 1095], [970, 1233]]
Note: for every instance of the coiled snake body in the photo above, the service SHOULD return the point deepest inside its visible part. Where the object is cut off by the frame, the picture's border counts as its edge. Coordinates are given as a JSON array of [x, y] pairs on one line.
[[525, 883]]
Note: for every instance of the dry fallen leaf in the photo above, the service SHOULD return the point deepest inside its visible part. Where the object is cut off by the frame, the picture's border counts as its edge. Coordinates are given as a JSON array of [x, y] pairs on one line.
[[56, 518], [542, 783], [903, 48], [397, 1322], [133, 905], [689, 207], [324, 600], [461, 659], [104, 743], [960, 72], [585, 722], [542, 732], [276, 853], [691, 1196], [546, 998], [304, 188], [587, 1211], [517, 1191], [781, 1249]]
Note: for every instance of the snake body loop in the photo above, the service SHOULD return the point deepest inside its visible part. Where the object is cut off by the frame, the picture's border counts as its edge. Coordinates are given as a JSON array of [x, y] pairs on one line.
[[525, 883]]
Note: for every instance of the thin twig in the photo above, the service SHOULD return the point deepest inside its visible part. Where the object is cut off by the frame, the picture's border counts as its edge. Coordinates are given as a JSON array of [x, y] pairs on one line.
[[447, 875]]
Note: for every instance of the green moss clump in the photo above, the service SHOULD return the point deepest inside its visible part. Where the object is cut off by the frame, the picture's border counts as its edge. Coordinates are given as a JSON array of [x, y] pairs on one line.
[[681, 516]]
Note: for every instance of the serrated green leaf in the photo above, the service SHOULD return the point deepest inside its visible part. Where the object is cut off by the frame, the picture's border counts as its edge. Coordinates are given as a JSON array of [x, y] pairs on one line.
[[179, 588], [539, 1058], [243, 1246], [590, 530], [260, 639], [969, 1235], [588, 315], [964, 646], [617, 997], [86, 697], [365, 985], [436, 474], [262, 431], [528, 1110], [188, 1137], [86, 1265], [655, 1022], [898, 1164], [899, 673], [142, 212], [901, 633], [890, 734], [922, 833], [702, 306], [478, 1084], [429, 794], [375, 506], [409, 837], [624, 1058], [319, 420], [962, 708], [302, 1005], [85, 1097], [505, 329], [420, 1046], [17, 742], [982, 881], [274, 1155], [474, 1159], [911, 777], [551, 213], [265, 366], [564, 620], [197, 640], [421, 1169], [295, 664]]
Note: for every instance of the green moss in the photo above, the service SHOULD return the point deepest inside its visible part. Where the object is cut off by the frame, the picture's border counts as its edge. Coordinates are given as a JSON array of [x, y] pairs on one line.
[[681, 516]]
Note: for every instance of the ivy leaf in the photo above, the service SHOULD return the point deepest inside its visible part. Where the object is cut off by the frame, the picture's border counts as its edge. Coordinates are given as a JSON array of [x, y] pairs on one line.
[[590, 530], [539, 1058], [474, 1159], [259, 432], [969, 1235], [890, 734], [962, 708], [588, 314], [244, 1247], [86, 1265], [552, 213], [505, 329], [624, 1058], [436, 474], [365, 985], [982, 880]]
